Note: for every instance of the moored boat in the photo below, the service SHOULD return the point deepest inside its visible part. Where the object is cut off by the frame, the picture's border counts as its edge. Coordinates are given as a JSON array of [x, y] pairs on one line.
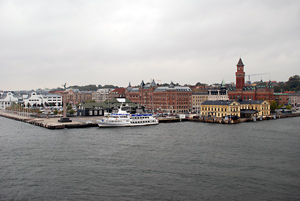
[[122, 119]]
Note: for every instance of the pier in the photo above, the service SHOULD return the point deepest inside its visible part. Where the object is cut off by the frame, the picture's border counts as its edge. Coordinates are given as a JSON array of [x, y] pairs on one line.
[[52, 123]]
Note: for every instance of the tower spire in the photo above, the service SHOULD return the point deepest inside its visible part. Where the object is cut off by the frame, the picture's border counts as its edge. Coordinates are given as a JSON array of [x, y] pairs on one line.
[[240, 63]]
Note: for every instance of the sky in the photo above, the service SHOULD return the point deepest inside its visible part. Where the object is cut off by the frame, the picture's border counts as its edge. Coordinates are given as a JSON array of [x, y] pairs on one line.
[[44, 44]]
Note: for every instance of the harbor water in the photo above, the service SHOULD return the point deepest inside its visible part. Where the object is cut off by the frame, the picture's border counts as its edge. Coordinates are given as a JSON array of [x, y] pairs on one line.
[[173, 161]]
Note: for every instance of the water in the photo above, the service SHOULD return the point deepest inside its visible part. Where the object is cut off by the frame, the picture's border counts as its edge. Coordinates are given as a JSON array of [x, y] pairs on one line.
[[175, 161]]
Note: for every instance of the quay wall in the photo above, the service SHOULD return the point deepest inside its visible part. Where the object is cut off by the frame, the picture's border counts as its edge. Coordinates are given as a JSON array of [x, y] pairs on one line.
[[52, 123], [49, 123]]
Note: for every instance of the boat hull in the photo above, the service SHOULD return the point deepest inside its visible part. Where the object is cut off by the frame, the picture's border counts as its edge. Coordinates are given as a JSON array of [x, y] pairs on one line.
[[103, 125]]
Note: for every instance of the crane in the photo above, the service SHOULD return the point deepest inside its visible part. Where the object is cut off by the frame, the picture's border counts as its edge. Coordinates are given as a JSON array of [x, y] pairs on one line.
[[255, 75]]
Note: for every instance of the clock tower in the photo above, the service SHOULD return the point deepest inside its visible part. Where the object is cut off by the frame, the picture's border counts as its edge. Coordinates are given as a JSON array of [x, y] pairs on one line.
[[240, 76]]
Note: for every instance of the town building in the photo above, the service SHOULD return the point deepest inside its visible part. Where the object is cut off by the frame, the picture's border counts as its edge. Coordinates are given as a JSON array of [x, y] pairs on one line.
[[282, 98], [109, 106], [117, 93], [246, 108], [101, 94], [7, 99], [241, 91], [220, 108], [294, 99], [255, 108], [30, 99], [75, 97], [199, 95], [167, 99], [218, 94], [39, 100]]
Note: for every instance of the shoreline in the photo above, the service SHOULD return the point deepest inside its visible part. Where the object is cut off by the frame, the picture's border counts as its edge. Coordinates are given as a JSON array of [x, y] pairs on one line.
[[85, 122]]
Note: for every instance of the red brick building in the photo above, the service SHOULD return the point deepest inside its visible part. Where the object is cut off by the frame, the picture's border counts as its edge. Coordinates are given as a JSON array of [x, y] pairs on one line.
[[282, 98], [170, 99], [261, 91], [117, 93]]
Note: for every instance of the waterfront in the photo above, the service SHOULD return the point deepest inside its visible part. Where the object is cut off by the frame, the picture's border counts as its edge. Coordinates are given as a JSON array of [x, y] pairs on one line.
[[177, 161]]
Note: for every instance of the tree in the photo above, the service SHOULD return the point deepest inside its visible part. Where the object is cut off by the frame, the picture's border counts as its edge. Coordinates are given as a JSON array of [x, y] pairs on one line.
[[90, 101], [55, 112], [280, 106], [288, 107], [273, 105], [69, 107], [293, 82], [71, 111]]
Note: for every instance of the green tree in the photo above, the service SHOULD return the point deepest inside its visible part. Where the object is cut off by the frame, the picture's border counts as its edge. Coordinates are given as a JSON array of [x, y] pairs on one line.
[[90, 101], [279, 106], [273, 105], [293, 82], [71, 111], [55, 112], [288, 107], [69, 107]]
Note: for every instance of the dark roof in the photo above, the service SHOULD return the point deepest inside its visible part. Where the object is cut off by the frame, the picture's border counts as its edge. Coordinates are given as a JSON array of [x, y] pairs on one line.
[[251, 102], [153, 84], [217, 102], [231, 88], [92, 105], [175, 88], [142, 84], [240, 63], [248, 88]]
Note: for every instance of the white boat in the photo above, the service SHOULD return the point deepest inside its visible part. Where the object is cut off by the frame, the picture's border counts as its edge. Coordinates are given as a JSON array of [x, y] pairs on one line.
[[122, 118]]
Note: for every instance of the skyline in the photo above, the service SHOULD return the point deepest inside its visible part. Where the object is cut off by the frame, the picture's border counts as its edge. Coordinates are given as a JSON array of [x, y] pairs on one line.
[[46, 44]]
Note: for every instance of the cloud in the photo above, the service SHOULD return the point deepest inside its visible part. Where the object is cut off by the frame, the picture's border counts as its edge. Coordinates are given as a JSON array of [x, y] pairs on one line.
[[46, 43]]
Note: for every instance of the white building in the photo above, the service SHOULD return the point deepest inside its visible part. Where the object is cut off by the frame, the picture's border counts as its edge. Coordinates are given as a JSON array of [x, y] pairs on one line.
[[7, 99], [214, 95], [218, 94], [38, 100], [53, 99]]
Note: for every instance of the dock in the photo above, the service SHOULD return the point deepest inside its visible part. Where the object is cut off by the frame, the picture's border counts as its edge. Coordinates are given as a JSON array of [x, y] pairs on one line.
[[52, 123]]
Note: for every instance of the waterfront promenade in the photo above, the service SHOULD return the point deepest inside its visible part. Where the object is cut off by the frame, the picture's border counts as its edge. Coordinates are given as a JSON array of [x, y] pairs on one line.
[[91, 121]]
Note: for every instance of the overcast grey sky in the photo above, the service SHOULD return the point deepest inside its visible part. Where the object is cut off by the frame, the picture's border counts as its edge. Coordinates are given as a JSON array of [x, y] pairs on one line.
[[78, 42]]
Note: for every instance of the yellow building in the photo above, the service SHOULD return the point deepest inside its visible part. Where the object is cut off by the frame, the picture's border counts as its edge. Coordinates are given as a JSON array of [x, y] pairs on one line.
[[261, 106], [220, 108], [247, 108]]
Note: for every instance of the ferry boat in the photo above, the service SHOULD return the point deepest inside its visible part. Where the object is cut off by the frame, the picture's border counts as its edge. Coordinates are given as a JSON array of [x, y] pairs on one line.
[[122, 118]]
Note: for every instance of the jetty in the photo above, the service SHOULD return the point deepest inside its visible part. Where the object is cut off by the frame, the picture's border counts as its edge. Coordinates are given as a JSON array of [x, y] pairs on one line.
[[52, 123]]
